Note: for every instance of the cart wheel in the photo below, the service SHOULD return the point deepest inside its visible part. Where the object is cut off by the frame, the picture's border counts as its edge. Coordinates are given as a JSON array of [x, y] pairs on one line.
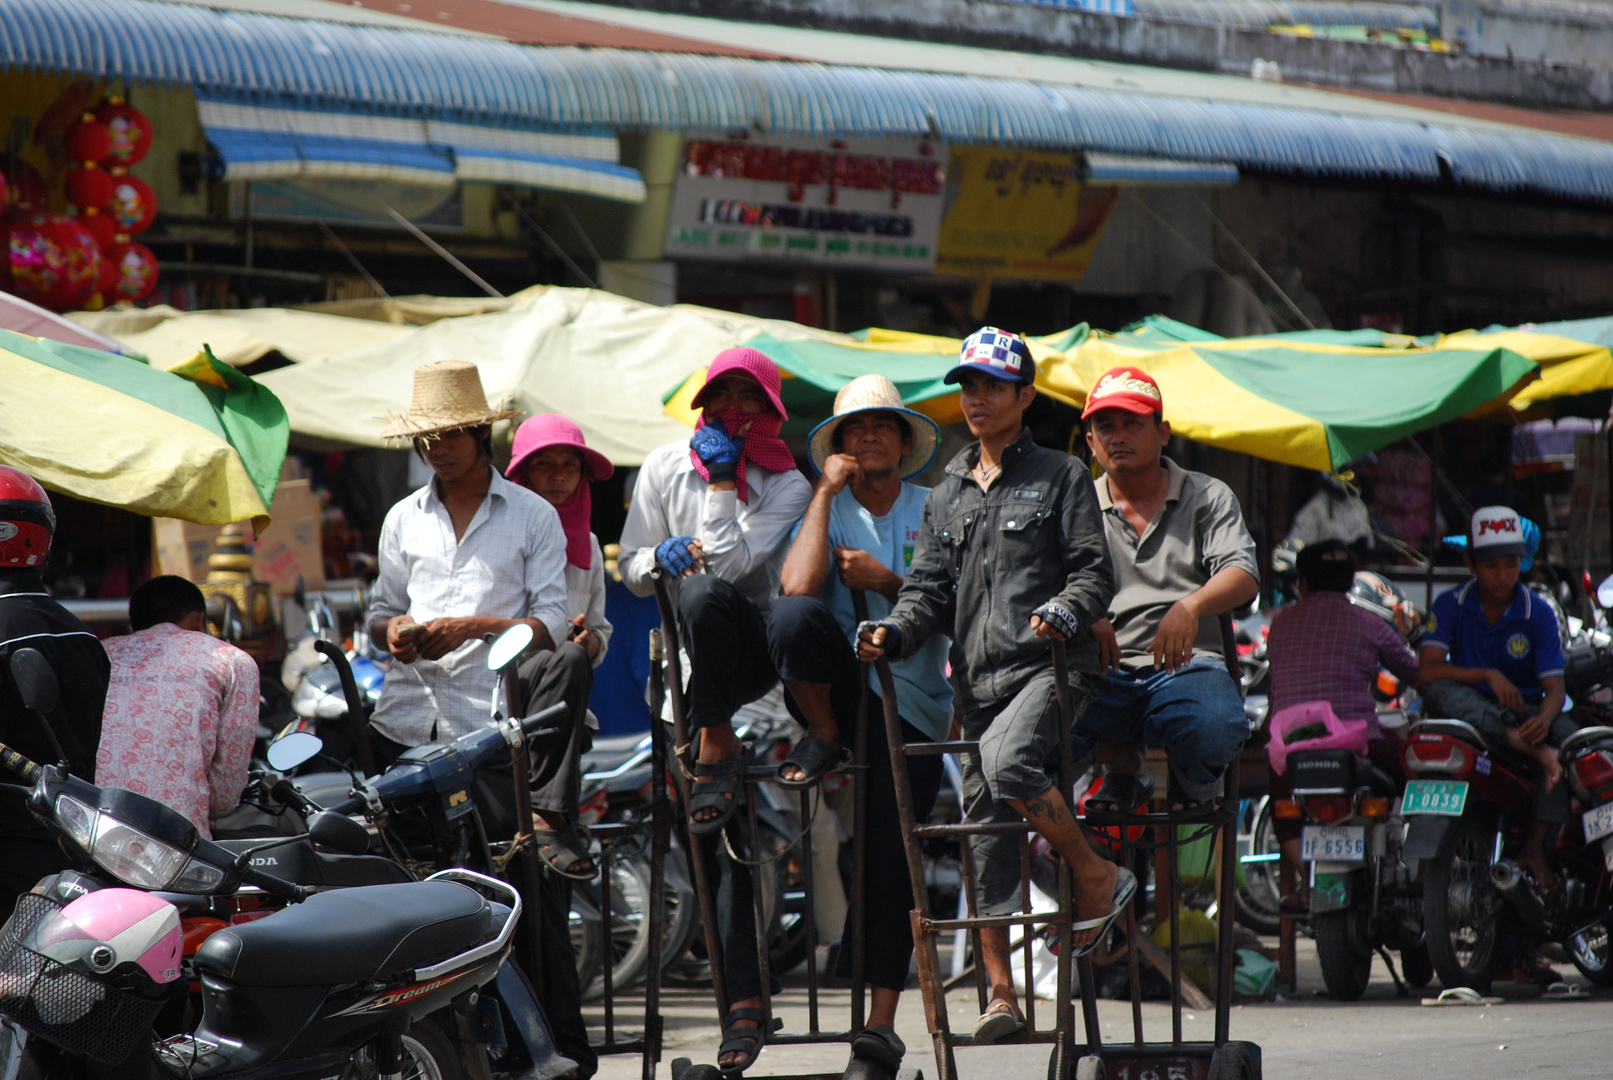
[[679, 1067], [1091, 1067], [1236, 1061]]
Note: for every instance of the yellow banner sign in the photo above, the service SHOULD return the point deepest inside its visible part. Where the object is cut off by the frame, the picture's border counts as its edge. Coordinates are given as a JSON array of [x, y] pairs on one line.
[[1019, 214]]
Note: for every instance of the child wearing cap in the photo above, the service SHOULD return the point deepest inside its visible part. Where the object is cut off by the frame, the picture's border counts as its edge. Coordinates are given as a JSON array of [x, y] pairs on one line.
[[1492, 656]]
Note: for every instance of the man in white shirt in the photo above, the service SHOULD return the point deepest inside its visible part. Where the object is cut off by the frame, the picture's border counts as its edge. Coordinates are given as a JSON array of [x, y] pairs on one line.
[[714, 515], [472, 554]]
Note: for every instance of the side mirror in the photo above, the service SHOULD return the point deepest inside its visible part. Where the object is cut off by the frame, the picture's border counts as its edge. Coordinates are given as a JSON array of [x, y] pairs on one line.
[[509, 646], [1604, 593], [338, 832], [292, 749], [36, 681]]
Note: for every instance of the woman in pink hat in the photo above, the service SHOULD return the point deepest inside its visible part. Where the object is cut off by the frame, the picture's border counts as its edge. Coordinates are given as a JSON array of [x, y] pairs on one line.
[[551, 458]]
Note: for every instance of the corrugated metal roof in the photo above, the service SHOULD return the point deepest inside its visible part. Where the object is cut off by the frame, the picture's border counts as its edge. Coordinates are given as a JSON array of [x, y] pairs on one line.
[[1259, 14], [417, 73]]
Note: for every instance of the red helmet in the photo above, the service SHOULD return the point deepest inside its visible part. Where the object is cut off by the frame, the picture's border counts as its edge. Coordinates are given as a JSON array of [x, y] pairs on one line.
[[26, 520]]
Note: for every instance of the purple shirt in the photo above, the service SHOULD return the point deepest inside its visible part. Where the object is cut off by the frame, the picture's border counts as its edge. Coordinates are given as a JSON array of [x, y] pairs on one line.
[[1324, 648]]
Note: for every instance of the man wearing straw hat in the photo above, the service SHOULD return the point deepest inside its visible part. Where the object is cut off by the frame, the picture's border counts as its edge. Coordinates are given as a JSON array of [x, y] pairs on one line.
[[472, 554], [714, 515], [860, 532]]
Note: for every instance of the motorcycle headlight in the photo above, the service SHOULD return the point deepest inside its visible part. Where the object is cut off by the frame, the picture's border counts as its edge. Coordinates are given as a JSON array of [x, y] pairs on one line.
[[77, 820], [126, 853], [198, 877]]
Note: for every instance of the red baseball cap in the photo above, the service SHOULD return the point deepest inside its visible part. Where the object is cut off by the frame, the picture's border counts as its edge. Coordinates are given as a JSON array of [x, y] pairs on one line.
[[1128, 388]]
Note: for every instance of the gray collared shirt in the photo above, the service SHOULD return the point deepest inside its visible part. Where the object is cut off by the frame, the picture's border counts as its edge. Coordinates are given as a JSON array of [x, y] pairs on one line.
[[510, 564], [1198, 533]]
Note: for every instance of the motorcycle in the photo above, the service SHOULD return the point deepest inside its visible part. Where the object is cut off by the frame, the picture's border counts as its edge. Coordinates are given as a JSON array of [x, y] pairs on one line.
[[357, 981]]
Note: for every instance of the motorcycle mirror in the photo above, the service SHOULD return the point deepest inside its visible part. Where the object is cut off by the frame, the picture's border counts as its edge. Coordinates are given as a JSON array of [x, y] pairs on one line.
[[1604, 593], [36, 682], [292, 749], [509, 646], [333, 830]]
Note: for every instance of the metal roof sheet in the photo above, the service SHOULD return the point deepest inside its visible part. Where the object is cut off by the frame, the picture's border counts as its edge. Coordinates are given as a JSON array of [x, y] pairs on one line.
[[420, 73]]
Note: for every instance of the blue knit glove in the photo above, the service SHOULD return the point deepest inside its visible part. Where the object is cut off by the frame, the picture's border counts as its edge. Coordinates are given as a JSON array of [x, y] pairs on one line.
[[718, 451], [672, 555], [1060, 618]]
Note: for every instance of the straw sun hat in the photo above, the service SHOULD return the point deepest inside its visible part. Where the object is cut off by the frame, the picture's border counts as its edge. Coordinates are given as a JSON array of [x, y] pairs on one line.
[[447, 396], [869, 393]]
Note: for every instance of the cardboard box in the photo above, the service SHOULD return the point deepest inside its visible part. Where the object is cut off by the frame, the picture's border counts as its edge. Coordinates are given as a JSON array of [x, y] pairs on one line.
[[291, 545]]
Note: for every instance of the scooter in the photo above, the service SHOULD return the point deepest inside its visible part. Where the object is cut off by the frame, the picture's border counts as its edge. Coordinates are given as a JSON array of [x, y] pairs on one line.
[[350, 981]]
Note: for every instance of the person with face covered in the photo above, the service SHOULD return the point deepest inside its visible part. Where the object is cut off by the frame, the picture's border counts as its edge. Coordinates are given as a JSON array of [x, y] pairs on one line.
[[713, 515]]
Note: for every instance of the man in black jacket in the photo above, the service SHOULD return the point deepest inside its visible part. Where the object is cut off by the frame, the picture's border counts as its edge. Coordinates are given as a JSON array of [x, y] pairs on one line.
[[1011, 553], [30, 619]]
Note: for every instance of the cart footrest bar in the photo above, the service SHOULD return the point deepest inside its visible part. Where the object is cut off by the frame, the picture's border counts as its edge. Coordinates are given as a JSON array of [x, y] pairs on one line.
[[980, 922], [984, 828], [949, 746], [807, 1038]]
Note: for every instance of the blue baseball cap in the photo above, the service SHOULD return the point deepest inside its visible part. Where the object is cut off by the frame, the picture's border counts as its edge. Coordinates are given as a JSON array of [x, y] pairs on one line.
[[998, 353]]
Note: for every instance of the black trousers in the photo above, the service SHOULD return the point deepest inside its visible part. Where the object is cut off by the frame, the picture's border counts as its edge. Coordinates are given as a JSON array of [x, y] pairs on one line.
[[726, 638], [564, 674], [809, 646]]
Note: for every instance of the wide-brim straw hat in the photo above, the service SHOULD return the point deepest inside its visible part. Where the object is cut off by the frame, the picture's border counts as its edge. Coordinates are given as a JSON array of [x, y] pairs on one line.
[[447, 396], [876, 393]]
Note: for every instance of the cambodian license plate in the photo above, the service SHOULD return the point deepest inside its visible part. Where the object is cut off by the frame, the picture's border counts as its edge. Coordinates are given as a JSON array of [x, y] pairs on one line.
[[1445, 797], [1598, 822], [1333, 843]]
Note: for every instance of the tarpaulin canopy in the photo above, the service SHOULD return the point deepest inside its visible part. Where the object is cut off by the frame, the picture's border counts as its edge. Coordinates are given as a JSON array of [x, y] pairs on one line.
[[202, 442], [1313, 403], [601, 359], [238, 336]]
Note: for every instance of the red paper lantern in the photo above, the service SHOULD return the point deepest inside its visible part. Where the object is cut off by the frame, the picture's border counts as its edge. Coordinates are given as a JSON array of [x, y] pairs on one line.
[[36, 263], [129, 130], [81, 261], [87, 139], [100, 226], [105, 280], [135, 268], [27, 186], [89, 188], [132, 205]]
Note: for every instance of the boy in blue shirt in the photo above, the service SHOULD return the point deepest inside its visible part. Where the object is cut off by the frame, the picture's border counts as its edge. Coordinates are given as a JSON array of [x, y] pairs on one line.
[[1492, 656], [860, 532]]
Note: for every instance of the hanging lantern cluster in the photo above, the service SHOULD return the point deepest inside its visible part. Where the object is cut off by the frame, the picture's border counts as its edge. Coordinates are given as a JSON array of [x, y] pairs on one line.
[[88, 257]]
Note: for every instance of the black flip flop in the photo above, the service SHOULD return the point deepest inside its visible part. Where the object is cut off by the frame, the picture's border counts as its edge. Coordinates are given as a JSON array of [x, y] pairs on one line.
[[717, 785], [561, 849], [1121, 794], [744, 1040], [816, 759]]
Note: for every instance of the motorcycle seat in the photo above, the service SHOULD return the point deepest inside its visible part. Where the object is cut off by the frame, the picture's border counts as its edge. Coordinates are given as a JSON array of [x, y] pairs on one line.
[[351, 936]]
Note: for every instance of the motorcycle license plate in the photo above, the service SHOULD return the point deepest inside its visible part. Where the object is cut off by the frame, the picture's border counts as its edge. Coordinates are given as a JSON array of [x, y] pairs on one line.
[[1598, 822], [1445, 797], [1333, 843]]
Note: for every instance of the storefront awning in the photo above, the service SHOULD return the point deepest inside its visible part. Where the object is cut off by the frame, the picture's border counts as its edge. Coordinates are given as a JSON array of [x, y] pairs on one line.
[[263, 142], [1156, 172]]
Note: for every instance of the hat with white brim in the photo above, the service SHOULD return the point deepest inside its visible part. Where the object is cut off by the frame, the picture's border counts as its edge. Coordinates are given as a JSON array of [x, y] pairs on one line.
[[876, 393]]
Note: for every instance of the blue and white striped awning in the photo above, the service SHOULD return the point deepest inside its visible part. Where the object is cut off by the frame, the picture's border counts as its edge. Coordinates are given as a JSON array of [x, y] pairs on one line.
[[424, 76], [262, 142]]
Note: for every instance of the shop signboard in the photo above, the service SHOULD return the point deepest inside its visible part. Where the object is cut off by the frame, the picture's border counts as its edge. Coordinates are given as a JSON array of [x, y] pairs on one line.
[[1020, 214], [872, 204]]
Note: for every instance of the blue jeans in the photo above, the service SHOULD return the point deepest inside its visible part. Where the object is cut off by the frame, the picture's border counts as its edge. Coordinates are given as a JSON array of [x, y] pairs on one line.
[[1195, 714]]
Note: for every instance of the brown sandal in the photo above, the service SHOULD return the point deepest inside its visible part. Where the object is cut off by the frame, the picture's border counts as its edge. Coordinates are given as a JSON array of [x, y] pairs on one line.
[[1001, 1019]]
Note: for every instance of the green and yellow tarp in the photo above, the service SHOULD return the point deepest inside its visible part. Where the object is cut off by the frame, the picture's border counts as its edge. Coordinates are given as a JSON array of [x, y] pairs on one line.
[[201, 442], [1315, 401]]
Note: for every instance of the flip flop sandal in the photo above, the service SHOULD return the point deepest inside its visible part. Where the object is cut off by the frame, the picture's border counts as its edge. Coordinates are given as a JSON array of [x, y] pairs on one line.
[[1121, 793], [1000, 1020], [561, 849], [1125, 889], [718, 785], [1561, 991], [816, 759], [744, 1040], [1460, 995], [879, 1045]]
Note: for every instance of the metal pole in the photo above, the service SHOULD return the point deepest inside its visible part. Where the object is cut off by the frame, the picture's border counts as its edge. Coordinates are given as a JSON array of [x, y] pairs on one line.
[[660, 845], [697, 853], [859, 835], [531, 873], [1065, 1055], [1225, 959]]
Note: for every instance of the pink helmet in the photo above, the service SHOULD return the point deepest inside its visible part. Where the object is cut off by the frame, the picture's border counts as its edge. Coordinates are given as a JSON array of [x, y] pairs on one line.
[[114, 933]]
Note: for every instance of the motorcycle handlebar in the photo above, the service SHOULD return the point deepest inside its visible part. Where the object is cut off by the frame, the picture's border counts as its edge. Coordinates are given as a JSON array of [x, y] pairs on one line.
[[18, 764], [350, 806], [538, 721], [272, 885]]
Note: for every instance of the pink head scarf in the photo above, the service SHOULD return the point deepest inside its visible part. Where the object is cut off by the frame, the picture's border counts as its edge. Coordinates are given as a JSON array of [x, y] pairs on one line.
[[762, 443], [550, 430]]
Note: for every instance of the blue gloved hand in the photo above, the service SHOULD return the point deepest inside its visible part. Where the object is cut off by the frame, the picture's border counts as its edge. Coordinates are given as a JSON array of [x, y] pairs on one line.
[[672, 555], [718, 451], [1056, 616], [893, 636]]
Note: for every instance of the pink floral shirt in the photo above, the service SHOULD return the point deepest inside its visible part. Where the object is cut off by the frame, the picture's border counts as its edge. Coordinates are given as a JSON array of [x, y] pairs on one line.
[[181, 716]]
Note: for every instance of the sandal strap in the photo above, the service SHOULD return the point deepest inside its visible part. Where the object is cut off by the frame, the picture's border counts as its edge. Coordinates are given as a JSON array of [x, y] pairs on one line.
[[727, 767]]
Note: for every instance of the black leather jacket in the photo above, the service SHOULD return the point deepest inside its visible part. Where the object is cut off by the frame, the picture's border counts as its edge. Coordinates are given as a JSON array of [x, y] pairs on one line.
[[987, 559]]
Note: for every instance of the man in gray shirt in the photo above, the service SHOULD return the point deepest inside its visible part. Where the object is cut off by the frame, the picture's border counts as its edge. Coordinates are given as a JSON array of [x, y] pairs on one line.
[[1182, 557]]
